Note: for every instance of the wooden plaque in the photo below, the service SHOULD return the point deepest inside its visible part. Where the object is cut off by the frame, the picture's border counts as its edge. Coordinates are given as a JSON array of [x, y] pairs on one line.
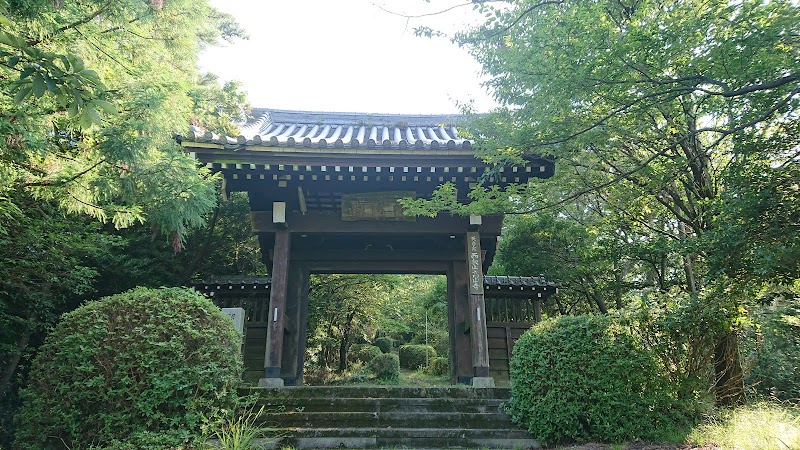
[[375, 206]]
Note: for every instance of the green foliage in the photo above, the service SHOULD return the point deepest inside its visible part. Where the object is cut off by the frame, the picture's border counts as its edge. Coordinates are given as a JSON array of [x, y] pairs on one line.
[[438, 365], [761, 426], [674, 130], [385, 344], [585, 378], [344, 309], [579, 256], [774, 350], [385, 367], [91, 93], [681, 331], [356, 308], [414, 356], [756, 237], [363, 352], [240, 432], [127, 369]]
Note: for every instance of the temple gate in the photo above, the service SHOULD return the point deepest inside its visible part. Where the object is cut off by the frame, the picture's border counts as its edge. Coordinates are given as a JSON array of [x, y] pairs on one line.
[[323, 190]]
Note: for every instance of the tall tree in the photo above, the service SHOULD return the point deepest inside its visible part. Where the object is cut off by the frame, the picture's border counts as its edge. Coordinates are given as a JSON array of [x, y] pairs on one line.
[[651, 104], [90, 94]]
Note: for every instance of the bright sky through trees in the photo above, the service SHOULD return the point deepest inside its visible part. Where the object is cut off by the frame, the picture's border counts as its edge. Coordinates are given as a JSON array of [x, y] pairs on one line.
[[349, 56]]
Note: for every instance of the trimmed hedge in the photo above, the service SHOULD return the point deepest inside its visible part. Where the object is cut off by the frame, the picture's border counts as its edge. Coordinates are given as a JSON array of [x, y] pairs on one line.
[[413, 356], [363, 352], [384, 343], [584, 378], [438, 366], [385, 367], [148, 368]]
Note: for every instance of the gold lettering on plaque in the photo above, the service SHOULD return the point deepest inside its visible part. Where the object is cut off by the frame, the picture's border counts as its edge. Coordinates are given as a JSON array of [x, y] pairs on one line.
[[475, 263], [375, 206]]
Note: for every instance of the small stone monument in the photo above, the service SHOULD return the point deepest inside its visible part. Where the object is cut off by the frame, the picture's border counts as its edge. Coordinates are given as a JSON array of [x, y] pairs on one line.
[[237, 315]]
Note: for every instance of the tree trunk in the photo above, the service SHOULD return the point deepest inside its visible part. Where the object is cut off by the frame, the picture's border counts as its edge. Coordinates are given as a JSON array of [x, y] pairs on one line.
[[618, 276], [688, 267], [344, 342], [729, 377], [8, 371], [591, 289], [343, 354]]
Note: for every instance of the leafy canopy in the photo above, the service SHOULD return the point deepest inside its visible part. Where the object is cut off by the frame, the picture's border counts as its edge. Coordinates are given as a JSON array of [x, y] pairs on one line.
[[90, 94]]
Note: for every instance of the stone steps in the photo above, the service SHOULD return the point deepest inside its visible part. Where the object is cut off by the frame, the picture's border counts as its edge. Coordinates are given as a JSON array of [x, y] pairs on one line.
[[308, 417], [384, 404]]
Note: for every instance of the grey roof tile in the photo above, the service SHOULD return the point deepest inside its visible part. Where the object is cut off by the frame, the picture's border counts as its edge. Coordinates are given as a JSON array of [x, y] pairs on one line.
[[282, 128]]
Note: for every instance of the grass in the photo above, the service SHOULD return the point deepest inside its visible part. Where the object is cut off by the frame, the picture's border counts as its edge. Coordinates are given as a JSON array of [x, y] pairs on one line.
[[357, 376], [760, 426], [422, 379], [241, 432]]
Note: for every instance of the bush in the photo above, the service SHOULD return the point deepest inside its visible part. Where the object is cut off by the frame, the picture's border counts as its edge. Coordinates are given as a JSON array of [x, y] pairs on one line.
[[384, 343], [774, 352], [147, 368], [438, 366], [583, 378], [438, 338], [385, 367], [414, 356], [363, 352]]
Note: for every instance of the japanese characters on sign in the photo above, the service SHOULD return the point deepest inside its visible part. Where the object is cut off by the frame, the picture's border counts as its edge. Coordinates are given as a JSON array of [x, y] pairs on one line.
[[475, 263], [377, 206]]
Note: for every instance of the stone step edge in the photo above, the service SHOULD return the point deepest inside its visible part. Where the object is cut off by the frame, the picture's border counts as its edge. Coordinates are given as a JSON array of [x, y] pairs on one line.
[[380, 392], [317, 443], [391, 416], [414, 400], [471, 433]]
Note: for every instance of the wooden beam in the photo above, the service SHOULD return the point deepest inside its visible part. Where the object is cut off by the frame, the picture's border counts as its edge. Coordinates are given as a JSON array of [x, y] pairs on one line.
[[332, 223], [277, 306], [369, 267], [376, 255], [458, 312]]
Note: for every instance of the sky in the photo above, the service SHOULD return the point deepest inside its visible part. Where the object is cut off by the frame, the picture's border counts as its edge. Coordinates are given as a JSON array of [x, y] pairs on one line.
[[349, 56]]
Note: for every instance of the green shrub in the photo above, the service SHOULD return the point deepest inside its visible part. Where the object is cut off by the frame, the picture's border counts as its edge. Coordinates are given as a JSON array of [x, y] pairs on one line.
[[363, 352], [384, 343], [414, 356], [147, 368], [583, 378], [438, 338], [438, 366], [774, 352], [385, 367]]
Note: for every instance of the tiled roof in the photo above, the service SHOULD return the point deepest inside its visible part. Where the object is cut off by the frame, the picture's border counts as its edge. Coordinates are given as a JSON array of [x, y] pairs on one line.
[[281, 128], [233, 281]]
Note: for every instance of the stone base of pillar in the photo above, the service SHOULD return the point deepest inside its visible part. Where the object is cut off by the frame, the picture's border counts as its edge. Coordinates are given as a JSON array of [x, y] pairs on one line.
[[270, 382], [482, 382]]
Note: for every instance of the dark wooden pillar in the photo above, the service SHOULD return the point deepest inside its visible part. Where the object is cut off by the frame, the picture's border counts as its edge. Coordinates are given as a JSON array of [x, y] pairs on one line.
[[303, 329], [480, 343], [294, 324], [537, 310], [277, 309], [459, 323]]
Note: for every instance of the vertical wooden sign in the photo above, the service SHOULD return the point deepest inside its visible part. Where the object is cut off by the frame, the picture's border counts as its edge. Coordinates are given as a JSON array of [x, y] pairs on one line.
[[475, 263], [480, 344]]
